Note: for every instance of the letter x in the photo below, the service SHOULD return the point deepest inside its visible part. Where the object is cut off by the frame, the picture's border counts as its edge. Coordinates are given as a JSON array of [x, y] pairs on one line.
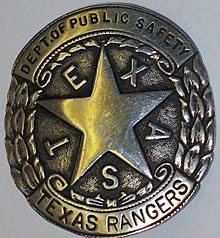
[[133, 73]]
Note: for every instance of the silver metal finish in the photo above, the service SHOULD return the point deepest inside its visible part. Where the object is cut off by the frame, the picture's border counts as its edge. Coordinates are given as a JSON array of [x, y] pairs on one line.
[[110, 121]]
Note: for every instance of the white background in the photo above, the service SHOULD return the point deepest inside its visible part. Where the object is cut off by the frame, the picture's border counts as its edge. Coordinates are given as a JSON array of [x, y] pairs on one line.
[[19, 21]]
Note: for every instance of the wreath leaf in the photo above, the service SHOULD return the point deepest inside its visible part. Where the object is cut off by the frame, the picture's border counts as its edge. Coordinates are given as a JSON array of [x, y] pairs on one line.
[[146, 190], [22, 96], [21, 152], [184, 134], [91, 43], [30, 123], [29, 175], [209, 102], [191, 80], [185, 111], [12, 92], [210, 130], [192, 160], [8, 123], [204, 167], [39, 169], [178, 85], [198, 132], [196, 104], [200, 69], [146, 50], [33, 99], [19, 121], [130, 43], [76, 48], [186, 78], [63, 55], [179, 156], [114, 40], [10, 153], [17, 177], [31, 145]]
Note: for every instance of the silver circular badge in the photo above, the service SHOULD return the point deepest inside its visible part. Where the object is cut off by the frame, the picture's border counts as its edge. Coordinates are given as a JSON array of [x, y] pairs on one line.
[[110, 122]]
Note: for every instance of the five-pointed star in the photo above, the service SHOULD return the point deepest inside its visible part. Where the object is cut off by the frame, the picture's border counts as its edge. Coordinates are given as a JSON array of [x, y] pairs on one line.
[[106, 119]]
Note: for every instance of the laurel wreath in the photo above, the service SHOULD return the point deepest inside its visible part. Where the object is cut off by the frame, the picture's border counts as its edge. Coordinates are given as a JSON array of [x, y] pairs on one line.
[[26, 168], [197, 137], [195, 150]]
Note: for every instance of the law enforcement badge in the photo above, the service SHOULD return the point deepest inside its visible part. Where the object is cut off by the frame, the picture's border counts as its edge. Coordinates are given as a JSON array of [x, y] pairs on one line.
[[110, 122]]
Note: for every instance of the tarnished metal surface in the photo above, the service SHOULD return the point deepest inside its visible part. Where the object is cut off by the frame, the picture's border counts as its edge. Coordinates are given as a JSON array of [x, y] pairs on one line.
[[110, 122]]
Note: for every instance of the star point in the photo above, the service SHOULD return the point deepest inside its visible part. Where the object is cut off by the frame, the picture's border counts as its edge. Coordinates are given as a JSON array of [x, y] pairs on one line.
[[106, 119]]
